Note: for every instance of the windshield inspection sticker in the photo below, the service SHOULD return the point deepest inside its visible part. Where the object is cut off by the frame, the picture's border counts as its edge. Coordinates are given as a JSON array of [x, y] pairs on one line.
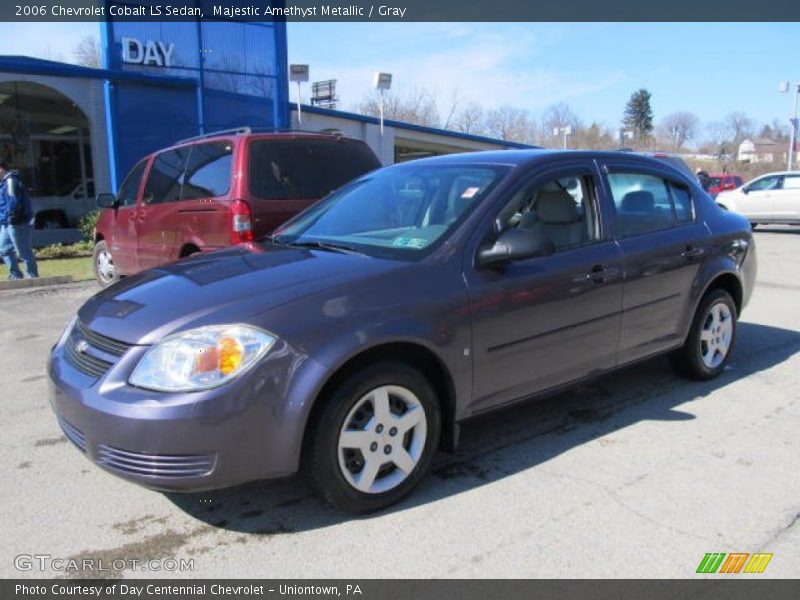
[[404, 242], [470, 192]]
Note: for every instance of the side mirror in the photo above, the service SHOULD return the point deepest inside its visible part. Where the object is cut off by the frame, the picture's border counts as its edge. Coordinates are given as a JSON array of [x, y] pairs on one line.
[[515, 244], [106, 201], [745, 190]]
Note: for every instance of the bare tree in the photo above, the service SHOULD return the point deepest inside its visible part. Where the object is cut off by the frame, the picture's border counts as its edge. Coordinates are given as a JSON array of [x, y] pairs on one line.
[[509, 123], [739, 126], [87, 52], [470, 119], [679, 128], [415, 106], [455, 100]]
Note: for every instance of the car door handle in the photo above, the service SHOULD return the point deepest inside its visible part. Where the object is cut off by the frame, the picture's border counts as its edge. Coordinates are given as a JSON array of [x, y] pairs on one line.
[[693, 252], [598, 274]]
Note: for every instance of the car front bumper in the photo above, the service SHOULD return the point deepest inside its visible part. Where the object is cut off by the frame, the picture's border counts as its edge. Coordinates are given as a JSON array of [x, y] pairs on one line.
[[248, 429]]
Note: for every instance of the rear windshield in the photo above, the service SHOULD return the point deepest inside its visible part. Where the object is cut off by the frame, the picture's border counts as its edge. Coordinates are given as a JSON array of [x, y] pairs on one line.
[[305, 169]]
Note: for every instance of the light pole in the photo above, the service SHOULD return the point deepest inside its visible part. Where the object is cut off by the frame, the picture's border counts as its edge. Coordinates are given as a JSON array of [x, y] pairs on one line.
[[565, 131], [784, 88], [298, 74], [382, 82]]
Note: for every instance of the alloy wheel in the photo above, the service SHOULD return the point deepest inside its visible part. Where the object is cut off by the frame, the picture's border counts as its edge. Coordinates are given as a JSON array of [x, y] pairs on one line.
[[105, 266], [382, 439], [716, 335]]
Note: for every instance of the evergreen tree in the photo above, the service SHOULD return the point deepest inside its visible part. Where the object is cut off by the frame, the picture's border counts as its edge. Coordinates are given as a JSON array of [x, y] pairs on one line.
[[638, 116]]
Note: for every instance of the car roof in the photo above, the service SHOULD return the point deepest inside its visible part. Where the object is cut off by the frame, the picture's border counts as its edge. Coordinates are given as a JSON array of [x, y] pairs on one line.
[[529, 156], [275, 134]]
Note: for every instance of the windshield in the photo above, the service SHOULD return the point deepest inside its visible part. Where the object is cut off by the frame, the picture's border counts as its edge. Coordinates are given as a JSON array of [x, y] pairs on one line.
[[716, 181], [400, 212]]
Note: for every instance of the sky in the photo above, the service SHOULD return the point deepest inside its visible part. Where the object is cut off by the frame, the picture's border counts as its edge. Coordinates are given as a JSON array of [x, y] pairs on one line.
[[710, 69]]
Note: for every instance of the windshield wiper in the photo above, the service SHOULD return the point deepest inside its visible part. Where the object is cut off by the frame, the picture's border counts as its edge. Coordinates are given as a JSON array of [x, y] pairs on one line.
[[330, 246]]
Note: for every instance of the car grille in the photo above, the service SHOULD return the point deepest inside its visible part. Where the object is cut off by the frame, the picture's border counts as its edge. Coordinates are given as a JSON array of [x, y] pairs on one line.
[[73, 434], [90, 352], [156, 465]]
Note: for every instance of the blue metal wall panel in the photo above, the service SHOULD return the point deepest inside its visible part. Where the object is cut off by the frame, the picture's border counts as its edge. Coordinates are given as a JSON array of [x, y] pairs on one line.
[[240, 79]]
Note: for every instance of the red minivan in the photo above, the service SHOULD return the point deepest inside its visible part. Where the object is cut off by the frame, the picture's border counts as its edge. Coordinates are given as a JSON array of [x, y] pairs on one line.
[[215, 190]]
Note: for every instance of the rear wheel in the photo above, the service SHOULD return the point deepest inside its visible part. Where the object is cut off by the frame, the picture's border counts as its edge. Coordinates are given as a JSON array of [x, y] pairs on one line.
[[710, 342], [375, 438], [104, 270]]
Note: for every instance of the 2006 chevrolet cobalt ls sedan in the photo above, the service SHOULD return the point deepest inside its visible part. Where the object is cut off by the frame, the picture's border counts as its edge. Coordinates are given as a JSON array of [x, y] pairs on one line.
[[353, 341]]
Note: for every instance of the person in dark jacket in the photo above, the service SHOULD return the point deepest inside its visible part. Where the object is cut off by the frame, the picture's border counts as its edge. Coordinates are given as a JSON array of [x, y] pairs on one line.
[[15, 223], [703, 178]]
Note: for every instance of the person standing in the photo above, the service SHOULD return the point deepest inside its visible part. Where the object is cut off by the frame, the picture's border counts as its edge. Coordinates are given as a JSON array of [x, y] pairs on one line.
[[15, 220], [703, 178]]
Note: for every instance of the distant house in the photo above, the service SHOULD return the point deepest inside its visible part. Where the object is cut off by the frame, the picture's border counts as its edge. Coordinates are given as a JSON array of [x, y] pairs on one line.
[[762, 150]]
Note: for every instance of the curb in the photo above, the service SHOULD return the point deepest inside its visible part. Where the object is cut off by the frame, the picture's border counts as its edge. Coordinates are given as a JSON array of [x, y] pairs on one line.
[[18, 284]]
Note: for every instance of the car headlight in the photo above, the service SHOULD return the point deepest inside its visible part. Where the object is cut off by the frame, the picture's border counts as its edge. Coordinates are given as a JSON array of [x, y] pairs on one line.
[[201, 358]]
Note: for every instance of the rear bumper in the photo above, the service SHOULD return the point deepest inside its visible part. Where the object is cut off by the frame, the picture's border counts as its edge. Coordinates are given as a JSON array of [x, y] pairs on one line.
[[244, 431]]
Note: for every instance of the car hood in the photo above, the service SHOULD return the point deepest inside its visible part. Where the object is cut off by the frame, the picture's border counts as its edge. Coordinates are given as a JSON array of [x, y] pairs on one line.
[[229, 286]]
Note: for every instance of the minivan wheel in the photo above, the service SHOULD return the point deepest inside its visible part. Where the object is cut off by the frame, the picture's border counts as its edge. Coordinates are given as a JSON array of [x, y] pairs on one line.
[[710, 343], [104, 270], [375, 438]]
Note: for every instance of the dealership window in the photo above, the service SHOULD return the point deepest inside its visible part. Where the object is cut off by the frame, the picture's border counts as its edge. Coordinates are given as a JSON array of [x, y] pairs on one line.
[[130, 186], [563, 209], [643, 203], [208, 171]]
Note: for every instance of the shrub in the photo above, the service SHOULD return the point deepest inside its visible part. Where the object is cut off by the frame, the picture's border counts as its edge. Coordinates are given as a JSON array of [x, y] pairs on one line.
[[83, 248], [87, 224]]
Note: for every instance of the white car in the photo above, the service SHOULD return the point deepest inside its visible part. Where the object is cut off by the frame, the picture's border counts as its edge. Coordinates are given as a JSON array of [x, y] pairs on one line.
[[65, 209], [772, 198]]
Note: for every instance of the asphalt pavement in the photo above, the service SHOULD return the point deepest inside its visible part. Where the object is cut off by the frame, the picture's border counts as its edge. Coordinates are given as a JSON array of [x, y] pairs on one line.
[[637, 474]]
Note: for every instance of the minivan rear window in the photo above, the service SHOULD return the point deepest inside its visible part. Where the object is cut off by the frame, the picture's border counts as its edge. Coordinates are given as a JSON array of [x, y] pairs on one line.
[[305, 169]]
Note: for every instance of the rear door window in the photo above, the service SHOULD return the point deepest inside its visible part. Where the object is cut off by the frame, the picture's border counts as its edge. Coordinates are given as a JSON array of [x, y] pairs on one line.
[[645, 203], [166, 174], [305, 169], [208, 171], [130, 185]]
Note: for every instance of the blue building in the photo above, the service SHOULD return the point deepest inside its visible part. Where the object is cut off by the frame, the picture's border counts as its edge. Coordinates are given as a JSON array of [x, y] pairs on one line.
[[75, 131]]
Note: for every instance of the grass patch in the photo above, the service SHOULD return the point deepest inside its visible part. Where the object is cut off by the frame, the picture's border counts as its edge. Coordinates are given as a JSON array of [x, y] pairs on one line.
[[81, 269]]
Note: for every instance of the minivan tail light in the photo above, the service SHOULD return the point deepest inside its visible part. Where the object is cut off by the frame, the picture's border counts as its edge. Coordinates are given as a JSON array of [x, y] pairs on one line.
[[241, 222]]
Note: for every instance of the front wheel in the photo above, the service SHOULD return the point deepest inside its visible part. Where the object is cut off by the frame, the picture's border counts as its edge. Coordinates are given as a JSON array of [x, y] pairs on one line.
[[375, 438], [710, 342], [104, 270]]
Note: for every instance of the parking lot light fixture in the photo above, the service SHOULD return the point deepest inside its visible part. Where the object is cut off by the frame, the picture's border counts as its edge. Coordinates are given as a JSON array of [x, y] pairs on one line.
[[298, 74], [382, 82], [785, 87]]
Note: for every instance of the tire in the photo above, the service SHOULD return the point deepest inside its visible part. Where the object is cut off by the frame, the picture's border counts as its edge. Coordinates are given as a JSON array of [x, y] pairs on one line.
[[51, 220], [336, 470], [711, 340], [104, 270]]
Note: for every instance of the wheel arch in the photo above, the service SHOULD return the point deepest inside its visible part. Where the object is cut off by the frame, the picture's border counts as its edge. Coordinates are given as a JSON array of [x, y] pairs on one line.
[[414, 354], [730, 283], [188, 249]]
